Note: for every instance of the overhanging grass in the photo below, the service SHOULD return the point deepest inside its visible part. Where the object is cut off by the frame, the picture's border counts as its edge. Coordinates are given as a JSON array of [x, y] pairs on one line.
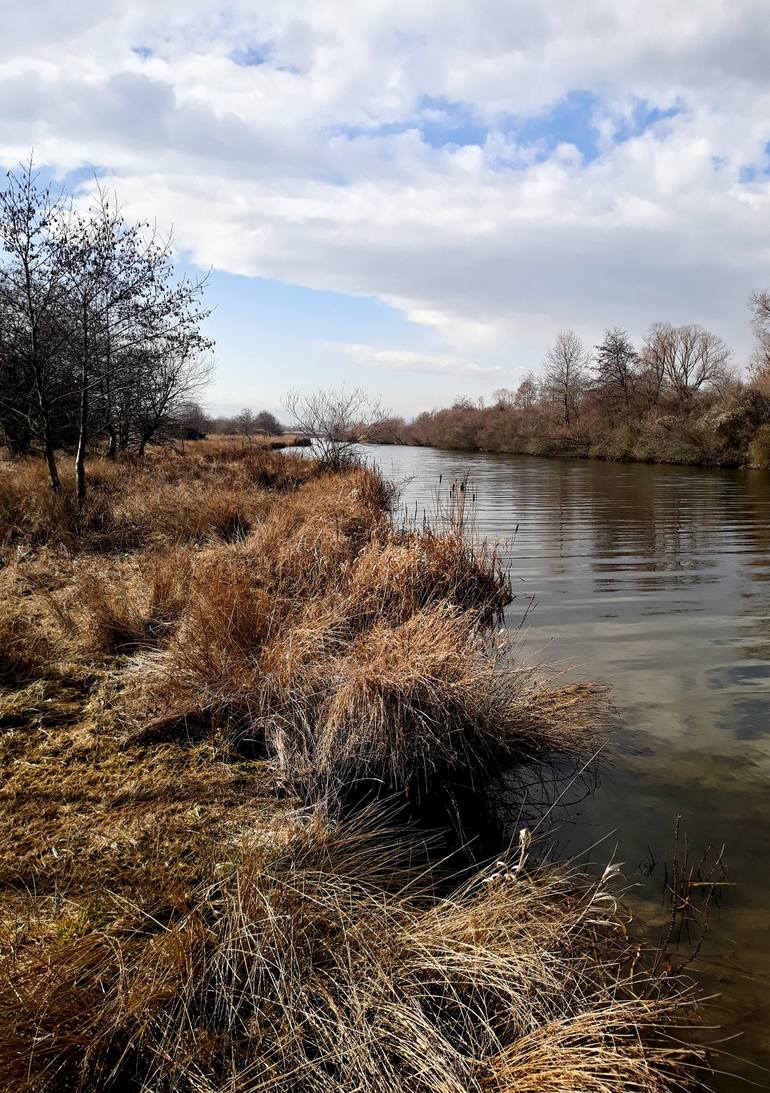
[[224, 639]]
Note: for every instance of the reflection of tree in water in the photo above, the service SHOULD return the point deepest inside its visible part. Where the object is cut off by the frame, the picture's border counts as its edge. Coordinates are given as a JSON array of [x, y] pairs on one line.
[[753, 599], [648, 522]]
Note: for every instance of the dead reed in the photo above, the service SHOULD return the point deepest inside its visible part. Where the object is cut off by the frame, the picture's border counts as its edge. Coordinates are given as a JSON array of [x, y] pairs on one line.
[[222, 637], [304, 967], [356, 653]]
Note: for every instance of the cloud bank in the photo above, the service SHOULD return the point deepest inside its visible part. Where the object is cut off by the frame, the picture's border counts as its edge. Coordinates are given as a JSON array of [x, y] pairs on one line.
[[494, 169], [405, 360]]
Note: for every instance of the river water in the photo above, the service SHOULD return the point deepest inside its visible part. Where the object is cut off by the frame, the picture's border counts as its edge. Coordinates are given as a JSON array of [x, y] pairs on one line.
[[655, 581]]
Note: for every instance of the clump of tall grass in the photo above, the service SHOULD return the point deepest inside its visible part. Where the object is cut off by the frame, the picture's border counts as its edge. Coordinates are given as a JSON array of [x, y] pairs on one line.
[[325, 964], [423, 705], [25, 649], [357, 653], [124, 616], [408, 571]]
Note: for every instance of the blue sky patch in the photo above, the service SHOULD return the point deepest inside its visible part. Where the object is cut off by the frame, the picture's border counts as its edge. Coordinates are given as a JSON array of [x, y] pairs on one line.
[[573, 119], [644, 117], [252, 55], [440, 122], [444, 122], [569, 121], [268, 332]]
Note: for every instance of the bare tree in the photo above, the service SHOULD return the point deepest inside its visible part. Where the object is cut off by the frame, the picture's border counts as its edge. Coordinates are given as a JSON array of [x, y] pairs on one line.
[[503, 398], [193, 421], [686, 358], [759, 366], [120, 281], [616, 366], [527, 392], [98, 336], [31, 277], [168, 383], [336, 421], [566, 365], [245, 423]]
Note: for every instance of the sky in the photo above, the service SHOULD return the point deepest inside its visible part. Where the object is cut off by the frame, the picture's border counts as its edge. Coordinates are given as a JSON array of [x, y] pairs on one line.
[[410, 196]]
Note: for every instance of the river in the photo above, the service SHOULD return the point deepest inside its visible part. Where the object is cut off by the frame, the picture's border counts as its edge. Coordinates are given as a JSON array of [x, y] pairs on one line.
[[656, 581]]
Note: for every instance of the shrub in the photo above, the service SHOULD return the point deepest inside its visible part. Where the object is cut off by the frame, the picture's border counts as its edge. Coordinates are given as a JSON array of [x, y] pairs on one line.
[[759, 449]]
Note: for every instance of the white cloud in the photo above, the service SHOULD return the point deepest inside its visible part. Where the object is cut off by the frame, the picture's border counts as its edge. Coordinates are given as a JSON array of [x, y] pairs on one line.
[[403, 360], [314, 167]]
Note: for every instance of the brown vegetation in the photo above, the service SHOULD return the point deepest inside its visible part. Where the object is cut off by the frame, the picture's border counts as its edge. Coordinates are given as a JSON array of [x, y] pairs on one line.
[[198, 667], [297, 969], [675, 400], [711, 430]]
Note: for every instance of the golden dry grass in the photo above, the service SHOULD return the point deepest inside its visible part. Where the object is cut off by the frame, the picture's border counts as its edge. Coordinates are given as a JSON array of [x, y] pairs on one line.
[[213, 490], [352, 651], [303, 966], [225, 637]]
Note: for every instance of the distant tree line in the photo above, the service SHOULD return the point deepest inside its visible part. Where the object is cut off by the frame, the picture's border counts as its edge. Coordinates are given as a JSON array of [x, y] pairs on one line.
[[195, 423], [677, 397], [248, 423], [673, 364], [100, 341]]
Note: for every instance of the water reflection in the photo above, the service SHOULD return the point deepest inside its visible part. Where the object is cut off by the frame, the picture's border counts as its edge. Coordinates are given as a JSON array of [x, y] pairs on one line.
[[654, 580]]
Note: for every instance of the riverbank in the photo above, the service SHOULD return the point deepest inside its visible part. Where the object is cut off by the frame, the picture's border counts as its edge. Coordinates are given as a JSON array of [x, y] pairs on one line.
[[210, 676], [273, 443], [729, 432]]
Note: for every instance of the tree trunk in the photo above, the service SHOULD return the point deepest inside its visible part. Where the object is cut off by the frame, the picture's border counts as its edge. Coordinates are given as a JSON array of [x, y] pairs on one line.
[[42, 401], [48, 447], [42, 398], [80, 454], [50, 458], [112, 449]]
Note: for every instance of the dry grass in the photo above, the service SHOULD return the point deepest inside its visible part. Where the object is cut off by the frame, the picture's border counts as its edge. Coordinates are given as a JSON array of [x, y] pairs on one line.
[[225, 636], [211, 491], [248, 443], [138, 608], [420, 706], [304, 967], [25, 648], [353, 652]]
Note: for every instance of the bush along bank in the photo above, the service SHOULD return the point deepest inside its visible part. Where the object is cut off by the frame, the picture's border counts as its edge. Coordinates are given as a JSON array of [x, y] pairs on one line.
[[731, 431], [225, 687]]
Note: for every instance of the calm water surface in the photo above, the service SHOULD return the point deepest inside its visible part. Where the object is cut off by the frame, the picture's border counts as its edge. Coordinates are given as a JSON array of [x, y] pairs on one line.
[[656, 581]]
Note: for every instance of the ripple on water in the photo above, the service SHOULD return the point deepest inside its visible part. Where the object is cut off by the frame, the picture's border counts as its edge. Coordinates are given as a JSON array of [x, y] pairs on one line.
[[656, 581]]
